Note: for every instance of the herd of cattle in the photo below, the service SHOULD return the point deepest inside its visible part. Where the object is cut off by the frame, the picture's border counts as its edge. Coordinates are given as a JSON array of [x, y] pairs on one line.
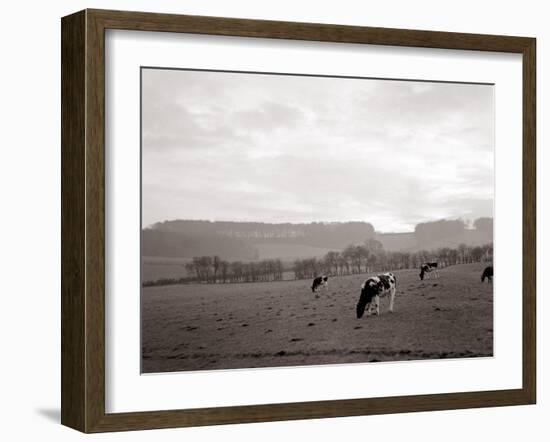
[[385, 284]]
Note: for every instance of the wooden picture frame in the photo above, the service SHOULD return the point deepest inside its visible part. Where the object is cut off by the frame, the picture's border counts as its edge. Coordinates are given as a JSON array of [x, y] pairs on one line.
[[83, 220]]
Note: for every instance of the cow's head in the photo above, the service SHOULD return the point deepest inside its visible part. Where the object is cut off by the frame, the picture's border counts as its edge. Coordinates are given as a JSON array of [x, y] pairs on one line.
[[360, 309], [423, 269]]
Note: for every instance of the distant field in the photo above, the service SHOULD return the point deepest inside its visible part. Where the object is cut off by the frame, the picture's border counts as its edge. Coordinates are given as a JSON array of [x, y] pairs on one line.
[[159, 267], [205, 327], [288, 252]]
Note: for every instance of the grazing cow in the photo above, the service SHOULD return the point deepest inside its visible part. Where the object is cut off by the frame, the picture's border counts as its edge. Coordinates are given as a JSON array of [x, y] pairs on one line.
[[320, 281], [372, 290], [487, 273], [427, 268]]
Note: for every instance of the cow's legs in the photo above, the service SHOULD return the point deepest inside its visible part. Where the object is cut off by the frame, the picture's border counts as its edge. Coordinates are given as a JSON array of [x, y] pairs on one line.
[[392, 298], [377, 304]]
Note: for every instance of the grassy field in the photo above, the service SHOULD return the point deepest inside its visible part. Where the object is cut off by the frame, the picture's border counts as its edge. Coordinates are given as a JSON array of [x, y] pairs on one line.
[[205, 327], [157, 267]]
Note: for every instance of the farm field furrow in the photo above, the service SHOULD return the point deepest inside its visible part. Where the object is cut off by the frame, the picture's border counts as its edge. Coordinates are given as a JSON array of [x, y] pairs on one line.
[[224, 326]]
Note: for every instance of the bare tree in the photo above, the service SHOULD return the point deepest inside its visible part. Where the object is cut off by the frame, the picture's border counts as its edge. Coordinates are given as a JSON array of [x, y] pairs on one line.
[[216, 262], [224, 268]]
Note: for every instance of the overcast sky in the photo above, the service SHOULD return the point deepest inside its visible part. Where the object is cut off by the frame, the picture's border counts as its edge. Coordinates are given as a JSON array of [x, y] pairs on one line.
[[276, 148]]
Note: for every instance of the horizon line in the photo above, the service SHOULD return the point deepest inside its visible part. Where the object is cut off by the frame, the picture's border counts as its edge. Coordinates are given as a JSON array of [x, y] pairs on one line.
[[319, 222]]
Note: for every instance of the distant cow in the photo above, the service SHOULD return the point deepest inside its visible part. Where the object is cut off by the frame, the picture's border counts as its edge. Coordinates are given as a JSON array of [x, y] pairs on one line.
[[320, 281], [487, 273], [372, 290], [427, 268]]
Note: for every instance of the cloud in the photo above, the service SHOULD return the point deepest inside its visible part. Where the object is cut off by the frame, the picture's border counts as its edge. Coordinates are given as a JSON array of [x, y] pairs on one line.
[[268, 116], [281, 148]]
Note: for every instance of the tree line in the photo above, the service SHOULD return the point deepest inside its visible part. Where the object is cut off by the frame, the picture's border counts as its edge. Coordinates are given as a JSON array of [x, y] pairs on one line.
[[240, 240], [236, 233], [214, 270], [371, 258]]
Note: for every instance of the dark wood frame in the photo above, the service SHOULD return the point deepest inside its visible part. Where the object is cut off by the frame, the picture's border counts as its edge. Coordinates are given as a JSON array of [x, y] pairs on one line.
[[83, 217]]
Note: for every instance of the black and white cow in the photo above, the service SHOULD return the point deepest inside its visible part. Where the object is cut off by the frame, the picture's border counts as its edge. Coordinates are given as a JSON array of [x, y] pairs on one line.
[[372, 290], [320, 281], [487, 273], [427, 268]]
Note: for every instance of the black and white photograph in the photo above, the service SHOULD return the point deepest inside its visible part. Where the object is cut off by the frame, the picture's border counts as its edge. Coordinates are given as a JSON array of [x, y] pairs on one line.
[[299, 220]]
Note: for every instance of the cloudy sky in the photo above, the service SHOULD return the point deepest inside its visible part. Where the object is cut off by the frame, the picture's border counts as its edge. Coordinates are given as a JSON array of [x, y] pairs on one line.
[[279, 148]]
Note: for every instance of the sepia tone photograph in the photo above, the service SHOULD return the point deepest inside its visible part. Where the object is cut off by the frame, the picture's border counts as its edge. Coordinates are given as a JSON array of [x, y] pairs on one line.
[[298, 220]]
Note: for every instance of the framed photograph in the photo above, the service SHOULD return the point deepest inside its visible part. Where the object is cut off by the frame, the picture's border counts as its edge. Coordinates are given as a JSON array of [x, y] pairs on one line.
[[268, 220]]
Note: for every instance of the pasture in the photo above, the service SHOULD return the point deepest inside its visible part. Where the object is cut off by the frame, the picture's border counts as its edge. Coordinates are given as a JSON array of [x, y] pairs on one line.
[[269, 324], [155, 267]]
